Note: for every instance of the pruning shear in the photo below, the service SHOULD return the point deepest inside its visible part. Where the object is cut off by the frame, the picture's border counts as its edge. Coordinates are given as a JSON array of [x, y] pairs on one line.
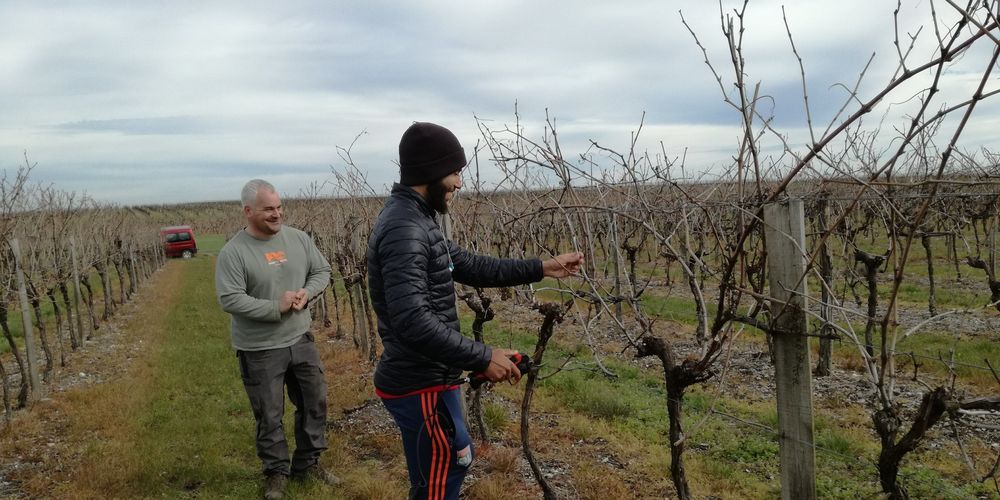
[[523, 362]]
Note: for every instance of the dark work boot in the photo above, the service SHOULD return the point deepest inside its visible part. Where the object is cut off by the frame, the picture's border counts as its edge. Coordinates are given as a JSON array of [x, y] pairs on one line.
[[319, 473], [274, 486]]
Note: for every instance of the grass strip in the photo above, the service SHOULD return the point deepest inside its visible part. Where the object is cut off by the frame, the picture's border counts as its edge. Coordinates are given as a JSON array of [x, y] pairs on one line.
[[194, 434]]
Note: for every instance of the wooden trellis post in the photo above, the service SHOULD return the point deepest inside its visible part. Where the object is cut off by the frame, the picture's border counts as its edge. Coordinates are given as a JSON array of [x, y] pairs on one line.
[[616, 260], [29, 334], [76, 291], [784, 225], [360, 319]]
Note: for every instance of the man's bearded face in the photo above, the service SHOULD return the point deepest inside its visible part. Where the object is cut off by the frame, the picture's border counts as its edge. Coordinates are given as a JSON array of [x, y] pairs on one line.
[[442, 191]]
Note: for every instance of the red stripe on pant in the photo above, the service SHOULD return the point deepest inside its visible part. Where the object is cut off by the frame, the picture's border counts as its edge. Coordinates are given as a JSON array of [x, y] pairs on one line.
[[440, 450]]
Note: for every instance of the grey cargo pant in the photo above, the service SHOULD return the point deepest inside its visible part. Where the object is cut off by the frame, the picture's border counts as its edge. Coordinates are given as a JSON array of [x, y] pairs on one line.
[[265, 375]]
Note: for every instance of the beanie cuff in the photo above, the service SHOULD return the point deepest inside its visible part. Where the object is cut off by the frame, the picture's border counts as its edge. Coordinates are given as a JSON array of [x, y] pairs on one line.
[[415, 174]]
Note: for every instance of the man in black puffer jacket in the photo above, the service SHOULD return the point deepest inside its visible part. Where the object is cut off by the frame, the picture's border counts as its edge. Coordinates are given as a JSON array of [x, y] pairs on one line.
[[412, 270]]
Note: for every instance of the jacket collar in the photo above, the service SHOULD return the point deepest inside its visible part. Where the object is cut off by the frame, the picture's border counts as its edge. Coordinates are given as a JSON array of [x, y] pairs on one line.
[[406, 192]]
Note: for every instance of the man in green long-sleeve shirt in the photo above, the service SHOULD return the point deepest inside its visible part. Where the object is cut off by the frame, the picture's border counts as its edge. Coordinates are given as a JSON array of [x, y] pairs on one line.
[[264, 278]]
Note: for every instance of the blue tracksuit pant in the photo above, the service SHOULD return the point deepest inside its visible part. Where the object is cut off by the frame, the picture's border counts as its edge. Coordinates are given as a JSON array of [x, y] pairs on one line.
[[436, 442]]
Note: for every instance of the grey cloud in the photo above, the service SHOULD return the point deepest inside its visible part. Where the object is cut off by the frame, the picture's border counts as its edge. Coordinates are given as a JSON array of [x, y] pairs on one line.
[[168, 182], [172, 125]]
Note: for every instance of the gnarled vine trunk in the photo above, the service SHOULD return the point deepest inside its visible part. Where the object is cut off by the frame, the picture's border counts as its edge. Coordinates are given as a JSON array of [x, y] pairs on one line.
[[677, 379], [553, 313]]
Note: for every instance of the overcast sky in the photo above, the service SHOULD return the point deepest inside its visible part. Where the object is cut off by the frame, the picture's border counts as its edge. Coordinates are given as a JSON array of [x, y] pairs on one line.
[[163, 102]]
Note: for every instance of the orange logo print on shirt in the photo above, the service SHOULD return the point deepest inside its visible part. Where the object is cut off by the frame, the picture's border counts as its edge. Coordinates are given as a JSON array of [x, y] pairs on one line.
[[274, 258]]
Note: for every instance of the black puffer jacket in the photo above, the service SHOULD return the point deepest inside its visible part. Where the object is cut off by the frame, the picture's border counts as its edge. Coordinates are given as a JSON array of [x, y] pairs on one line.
[[412, 271]]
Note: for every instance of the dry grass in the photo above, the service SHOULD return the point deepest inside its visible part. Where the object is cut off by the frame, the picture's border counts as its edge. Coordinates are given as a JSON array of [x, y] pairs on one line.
[[499, 459], [851, 361], [350, 378], [593, 481], [488, 488], [58, 434], [385, 447], [363, 486]]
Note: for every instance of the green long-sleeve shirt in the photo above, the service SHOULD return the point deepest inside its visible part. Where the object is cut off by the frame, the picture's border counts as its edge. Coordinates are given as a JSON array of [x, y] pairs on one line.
[[251, 275]]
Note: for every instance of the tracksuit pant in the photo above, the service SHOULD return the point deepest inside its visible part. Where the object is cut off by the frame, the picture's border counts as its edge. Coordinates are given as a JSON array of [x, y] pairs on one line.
[[265, 375], [436, 442]]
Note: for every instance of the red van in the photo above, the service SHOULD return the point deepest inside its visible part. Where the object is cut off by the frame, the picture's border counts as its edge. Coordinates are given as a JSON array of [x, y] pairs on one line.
[[178, 241]]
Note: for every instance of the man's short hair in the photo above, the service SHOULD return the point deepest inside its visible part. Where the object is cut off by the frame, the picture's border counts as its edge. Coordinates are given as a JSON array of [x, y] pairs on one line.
[[250, 189]]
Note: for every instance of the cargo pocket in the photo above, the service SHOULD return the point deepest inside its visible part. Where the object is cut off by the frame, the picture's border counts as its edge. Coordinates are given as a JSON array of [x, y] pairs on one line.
[[245, 372], [305, 349]]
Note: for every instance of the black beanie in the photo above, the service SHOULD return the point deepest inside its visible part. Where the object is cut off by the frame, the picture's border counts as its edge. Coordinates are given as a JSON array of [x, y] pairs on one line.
[[428, 152]]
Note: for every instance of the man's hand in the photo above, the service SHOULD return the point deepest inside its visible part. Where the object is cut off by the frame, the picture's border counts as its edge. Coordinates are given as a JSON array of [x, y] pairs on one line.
[[561, 266], [301, 299], [501, 367], [287, 301]]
